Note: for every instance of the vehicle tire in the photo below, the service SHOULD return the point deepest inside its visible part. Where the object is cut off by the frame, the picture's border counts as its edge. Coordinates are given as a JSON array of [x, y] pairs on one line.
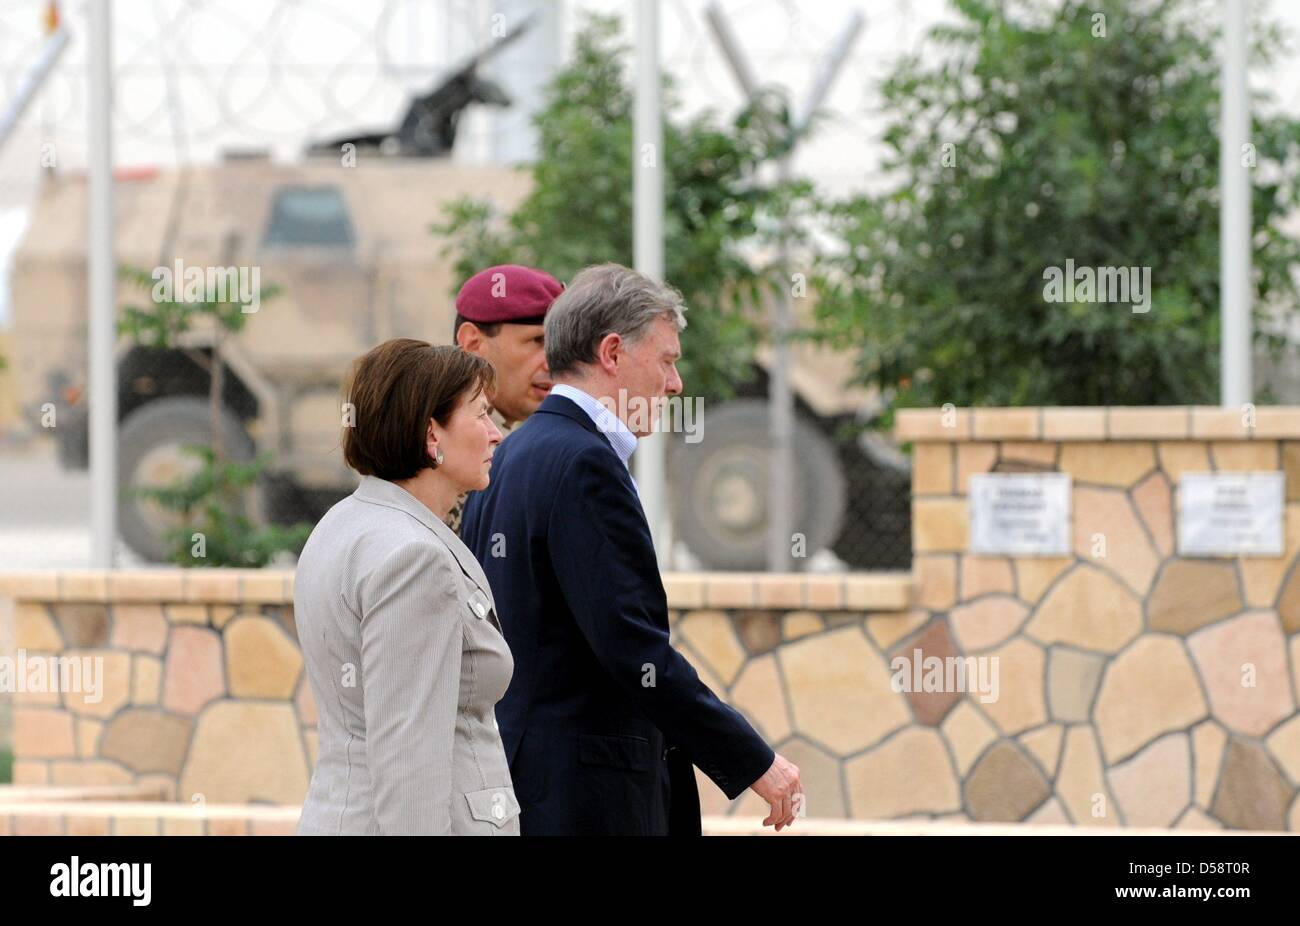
[[73, 439], [877, 533], [149, 454], [720, 491], [288, 502]]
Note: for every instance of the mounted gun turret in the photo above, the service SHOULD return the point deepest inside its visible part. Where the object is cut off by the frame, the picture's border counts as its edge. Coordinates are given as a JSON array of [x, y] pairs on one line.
[[428, 130]]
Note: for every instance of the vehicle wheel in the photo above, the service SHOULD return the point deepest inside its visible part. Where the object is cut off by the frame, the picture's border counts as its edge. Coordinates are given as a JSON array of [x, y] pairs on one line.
[[73, 439], [720, 492], [289, 503], [877, 530], [150, 444]]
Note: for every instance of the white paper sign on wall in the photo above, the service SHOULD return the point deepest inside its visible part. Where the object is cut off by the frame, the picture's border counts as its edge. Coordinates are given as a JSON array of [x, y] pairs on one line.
[[1231, 514], [1022, 514]]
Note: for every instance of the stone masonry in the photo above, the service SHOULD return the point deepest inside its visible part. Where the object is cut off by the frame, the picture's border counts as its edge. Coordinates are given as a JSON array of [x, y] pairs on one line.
[[1135, 687]]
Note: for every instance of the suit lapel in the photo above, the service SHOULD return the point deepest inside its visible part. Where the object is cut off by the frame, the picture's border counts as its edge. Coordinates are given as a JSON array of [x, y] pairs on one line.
[[567, 408], [378, 491]]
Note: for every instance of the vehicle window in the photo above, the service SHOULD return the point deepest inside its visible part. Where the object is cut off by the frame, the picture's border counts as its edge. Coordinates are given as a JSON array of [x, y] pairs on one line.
[[309, 217]]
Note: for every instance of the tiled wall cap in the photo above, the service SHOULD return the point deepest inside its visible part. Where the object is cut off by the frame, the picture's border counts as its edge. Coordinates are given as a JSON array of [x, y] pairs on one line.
[[222, 586], [158, 809], [47, 794], [877, 591], [883, 591], [753, 826], [1091, 423]]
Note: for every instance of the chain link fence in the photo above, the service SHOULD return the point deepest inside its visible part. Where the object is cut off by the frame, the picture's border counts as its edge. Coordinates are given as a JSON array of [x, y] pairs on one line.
[[216, 103]]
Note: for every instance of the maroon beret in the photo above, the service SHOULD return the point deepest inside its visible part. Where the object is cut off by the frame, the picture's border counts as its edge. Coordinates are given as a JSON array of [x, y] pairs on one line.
[[507, 293]]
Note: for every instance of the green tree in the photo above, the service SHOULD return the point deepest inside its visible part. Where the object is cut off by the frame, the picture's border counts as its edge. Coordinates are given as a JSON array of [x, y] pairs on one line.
[[209, 500], [168, 317], [1049, 131], [579, 211]]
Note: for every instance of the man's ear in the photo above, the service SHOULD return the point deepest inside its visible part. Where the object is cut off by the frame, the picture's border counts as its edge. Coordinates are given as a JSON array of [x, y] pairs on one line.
[[608, 352], [469, 337]]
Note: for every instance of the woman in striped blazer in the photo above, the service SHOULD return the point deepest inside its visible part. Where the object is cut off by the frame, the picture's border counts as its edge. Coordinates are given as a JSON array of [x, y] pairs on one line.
[[396, 620]]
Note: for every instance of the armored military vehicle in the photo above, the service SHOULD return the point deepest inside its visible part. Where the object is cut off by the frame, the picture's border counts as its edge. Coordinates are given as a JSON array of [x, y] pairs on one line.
[[351, 250], [345, 236]]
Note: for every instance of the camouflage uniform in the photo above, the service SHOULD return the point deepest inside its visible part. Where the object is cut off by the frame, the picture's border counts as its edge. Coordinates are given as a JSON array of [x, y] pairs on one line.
[[453, 516]]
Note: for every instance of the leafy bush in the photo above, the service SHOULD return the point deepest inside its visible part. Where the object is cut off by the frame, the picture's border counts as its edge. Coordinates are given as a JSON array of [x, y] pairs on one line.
[[209, 501], [212, 531], [1050, 131], [580, 209]]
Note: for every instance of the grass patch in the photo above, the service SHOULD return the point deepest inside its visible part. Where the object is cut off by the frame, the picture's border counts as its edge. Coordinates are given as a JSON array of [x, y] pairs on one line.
[[6, 767]]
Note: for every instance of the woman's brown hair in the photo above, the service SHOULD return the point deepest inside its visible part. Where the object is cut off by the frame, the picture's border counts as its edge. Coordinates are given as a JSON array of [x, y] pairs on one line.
[[393, 391]]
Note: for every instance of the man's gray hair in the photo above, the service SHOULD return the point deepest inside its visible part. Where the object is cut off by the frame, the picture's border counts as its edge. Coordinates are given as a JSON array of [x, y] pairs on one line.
[[600, 300]]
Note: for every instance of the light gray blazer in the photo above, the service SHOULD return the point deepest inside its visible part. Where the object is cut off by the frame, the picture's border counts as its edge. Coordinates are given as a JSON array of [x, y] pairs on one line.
[[406, 660]]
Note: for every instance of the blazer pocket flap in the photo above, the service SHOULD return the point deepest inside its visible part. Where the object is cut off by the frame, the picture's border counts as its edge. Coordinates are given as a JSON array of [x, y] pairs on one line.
[[497, 806], [479, 604], [616, 751]]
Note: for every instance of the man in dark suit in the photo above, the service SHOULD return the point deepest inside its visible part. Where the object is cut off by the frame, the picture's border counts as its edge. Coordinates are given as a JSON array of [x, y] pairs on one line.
[[603, 719]]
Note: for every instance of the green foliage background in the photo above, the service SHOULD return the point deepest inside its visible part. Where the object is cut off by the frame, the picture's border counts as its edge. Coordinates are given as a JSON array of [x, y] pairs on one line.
[[1061, 143], [580, 209], [209, 500]]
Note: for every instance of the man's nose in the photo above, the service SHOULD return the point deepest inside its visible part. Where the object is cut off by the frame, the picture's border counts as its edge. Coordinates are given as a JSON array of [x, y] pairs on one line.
[[674, 383]]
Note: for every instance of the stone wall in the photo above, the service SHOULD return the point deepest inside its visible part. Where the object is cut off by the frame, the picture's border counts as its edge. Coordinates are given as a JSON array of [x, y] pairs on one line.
[[1136, 688], [204, 693], [6, 702], [202, 685]]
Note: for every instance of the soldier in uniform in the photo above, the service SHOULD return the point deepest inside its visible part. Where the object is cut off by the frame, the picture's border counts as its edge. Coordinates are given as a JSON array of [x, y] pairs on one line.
[[499, 315]]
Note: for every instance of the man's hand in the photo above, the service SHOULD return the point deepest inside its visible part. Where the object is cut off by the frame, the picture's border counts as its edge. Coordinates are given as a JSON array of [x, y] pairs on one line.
[[780, 787]]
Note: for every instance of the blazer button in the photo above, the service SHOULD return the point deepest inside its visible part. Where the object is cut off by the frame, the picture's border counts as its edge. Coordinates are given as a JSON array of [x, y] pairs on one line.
[[479, 609], [498, 808]]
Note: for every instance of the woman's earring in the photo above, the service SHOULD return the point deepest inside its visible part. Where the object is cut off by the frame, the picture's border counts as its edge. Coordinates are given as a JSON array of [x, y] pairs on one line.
[[437, 456]]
